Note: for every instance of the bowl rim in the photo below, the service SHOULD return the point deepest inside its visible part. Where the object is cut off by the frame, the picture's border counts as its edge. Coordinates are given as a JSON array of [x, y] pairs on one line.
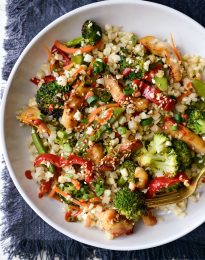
[[2, 120]]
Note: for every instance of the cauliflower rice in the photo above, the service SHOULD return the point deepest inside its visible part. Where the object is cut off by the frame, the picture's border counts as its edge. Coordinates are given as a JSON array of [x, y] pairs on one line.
[[113, 118]]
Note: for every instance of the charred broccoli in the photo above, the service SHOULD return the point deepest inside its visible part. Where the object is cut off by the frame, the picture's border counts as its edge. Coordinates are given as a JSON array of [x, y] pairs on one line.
[[130, 204], [91, 32], [50, 99], [196, 121], [159, 157], [184, 156]]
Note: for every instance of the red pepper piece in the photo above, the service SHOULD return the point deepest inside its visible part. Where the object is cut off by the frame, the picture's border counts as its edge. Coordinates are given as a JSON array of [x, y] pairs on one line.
[[126, 71], [150, 74], [155, 95], [49, 78], [158, 183], [34, 80], [62, 162], [46, 79]]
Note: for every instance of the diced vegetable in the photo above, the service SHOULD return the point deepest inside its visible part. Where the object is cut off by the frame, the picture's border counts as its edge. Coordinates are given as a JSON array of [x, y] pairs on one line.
[[161, 83], [199, 87], [147, 121], [77, 59]]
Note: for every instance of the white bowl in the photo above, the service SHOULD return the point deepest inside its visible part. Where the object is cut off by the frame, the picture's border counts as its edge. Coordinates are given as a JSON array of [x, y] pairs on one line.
[[143, 18]]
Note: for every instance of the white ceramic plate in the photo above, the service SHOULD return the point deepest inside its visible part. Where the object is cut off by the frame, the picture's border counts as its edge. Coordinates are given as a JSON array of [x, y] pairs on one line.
[[143, 18]]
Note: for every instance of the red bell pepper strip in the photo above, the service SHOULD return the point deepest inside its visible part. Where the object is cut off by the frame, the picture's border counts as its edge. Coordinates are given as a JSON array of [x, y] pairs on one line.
[[150, 74], [158, 183], [62, 162], [46, 79], [155, 95]]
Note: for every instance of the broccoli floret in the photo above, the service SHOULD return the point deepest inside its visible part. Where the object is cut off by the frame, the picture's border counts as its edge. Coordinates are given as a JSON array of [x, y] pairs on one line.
[[91, 32], [159, 157], [184, 156], [196, 121], [130, 204], [49, 98]]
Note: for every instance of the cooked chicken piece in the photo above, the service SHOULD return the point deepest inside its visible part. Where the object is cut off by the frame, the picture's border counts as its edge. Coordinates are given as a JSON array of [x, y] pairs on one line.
[[109, 162], [30, 115], [95, 153], [71, 106], [111, 84], [114, 224], [194, 141], [163, 49], [149, 219]]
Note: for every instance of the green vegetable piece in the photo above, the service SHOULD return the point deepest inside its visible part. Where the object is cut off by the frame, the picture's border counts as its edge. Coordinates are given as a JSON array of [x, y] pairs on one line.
[[84, 121], [121, 181], [196, 121], [91, 100], [74, 42], [174, 127], [146, 121], [38, 142], [130, 166], [184, 156], [98, 67], [49, 98], [159, 156], [128, 91], [91, 32], [40, 147], [122, 130], [200, 105], [199, 87], [61, 134], [77, 59], [161, 83], [130, 204], [178, 118], [67, 148], [134, 39]]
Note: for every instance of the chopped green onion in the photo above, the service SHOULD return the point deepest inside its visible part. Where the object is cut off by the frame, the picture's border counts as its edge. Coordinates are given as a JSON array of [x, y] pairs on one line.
[[147, 121], [92, 99], [77, 59], [84, 120], [67, 148], [121, 181], [85, 197], [122, 130], [61, 134], [128, 91], [174, 127], [100, 192], [178, 118]]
